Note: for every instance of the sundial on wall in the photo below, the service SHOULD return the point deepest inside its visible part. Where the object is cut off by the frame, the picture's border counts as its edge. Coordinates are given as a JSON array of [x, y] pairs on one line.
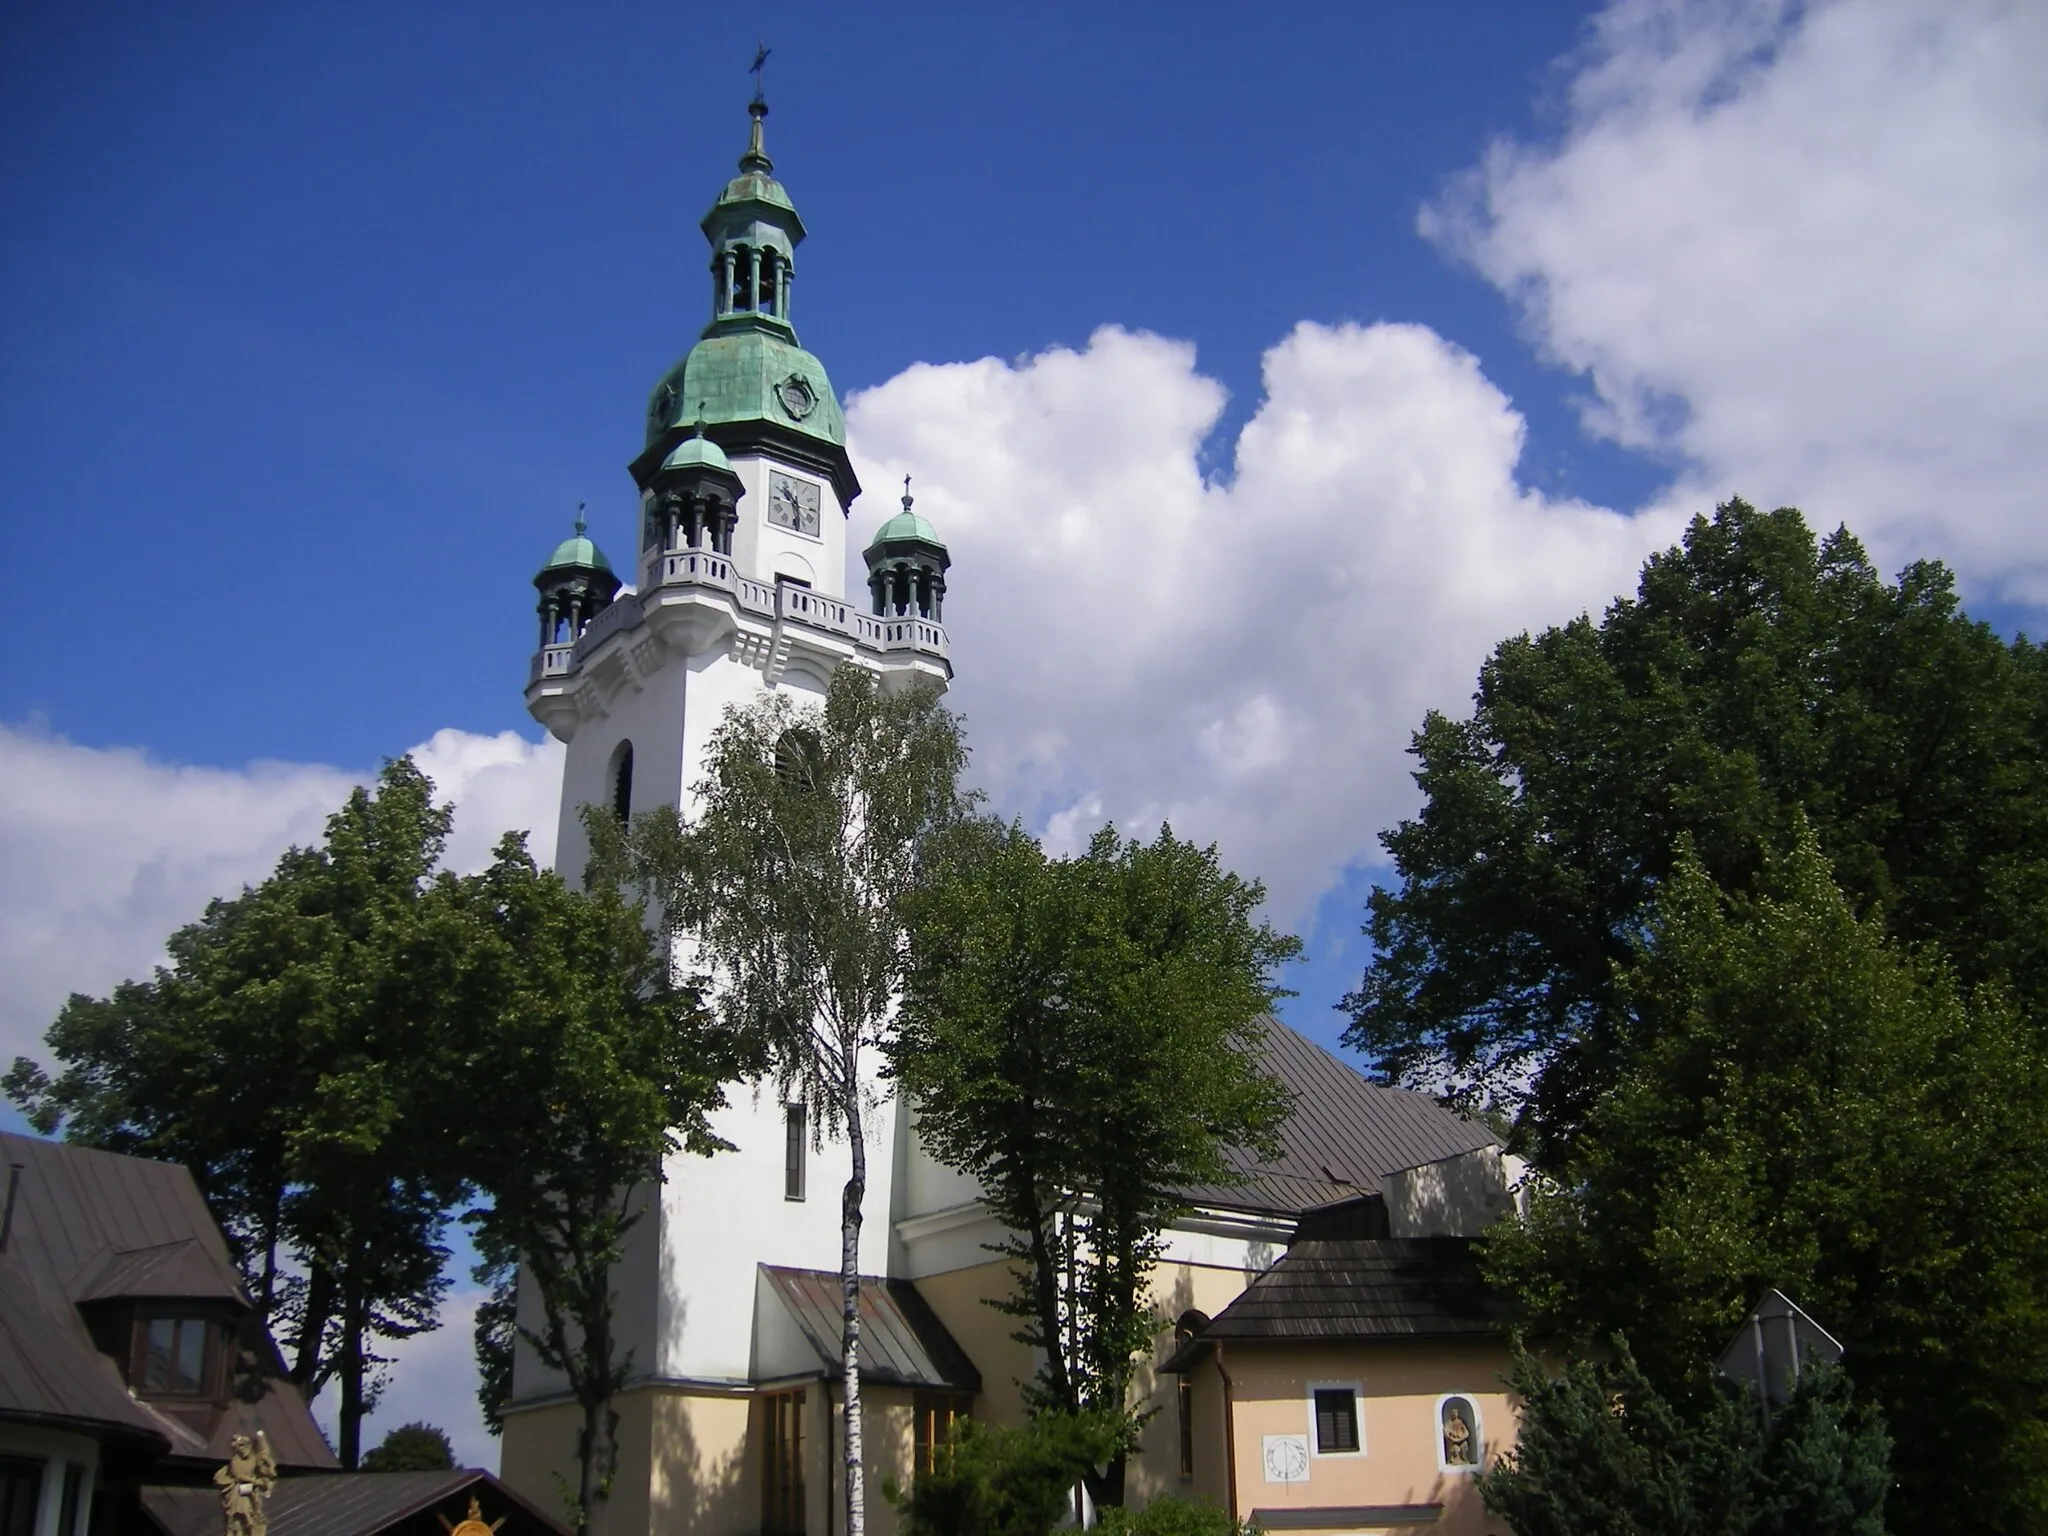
[[1286, 1458]]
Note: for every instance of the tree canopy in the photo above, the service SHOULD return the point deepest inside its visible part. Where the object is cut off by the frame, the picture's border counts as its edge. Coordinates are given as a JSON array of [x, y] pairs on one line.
[[600, 1066], [1757, 675], [287, 1055], [1599, 1451], [1810, 1106], [1082, 1037]]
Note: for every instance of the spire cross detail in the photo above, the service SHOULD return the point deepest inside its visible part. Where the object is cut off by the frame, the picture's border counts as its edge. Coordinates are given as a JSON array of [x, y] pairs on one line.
[[582, 522], [759, 70], [906, 493]]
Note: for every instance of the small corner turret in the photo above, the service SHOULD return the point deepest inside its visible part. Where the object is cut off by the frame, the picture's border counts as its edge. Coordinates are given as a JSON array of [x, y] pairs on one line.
[[907, 566]]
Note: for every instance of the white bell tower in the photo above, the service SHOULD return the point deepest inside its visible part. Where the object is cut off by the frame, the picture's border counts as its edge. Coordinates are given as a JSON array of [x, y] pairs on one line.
[[738, 587]]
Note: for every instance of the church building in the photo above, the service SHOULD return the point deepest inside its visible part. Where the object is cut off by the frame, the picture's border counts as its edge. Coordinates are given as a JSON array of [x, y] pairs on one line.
[[728, 1295]]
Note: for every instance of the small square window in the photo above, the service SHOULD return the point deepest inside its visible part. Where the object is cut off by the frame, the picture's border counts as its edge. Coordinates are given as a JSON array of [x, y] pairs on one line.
[[174, 1356], [1336, 1420]]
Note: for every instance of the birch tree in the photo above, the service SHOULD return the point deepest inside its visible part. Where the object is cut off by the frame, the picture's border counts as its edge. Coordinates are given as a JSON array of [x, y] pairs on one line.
[[786, 887]]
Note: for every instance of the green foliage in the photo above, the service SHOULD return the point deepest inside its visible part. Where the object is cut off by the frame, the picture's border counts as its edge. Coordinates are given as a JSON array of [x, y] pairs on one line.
[[1600, 1452], [1006, 1480], [1756, 676], [1082, 1037], [812, 827], [291, 1055], [1171, 1517], [1808, 1106], [598, 1066], [494, 1334], [412, 1448]]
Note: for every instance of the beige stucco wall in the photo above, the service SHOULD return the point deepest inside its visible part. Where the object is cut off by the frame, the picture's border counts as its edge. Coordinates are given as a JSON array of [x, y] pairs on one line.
[[958, 1298], [689, 1461], [1400, 1387]]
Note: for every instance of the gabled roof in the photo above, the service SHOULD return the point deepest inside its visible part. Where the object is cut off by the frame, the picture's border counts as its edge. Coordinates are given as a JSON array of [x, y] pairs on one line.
[[1344, 1136], [357, 1504], [94, 1229], [902, 1341], [1357, 1290]]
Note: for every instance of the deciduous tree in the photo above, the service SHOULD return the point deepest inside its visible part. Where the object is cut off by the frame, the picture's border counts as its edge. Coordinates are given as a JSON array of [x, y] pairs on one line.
[[289, 1055], [1082, 1037], [1756, 676], [1810, 1106], [598, 1067]]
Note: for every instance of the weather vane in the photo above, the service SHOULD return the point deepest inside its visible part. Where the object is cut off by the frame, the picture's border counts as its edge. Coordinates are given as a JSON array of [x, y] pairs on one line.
[[759, 70]]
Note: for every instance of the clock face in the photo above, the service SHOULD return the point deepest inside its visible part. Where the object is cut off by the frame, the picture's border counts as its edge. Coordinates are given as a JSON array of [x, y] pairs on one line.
[[793, 503]]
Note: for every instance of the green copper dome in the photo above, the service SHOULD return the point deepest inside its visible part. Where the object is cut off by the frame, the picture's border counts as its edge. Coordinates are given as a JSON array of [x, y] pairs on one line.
[[748, 376], [905, 526], [697, 453], [577, 553]]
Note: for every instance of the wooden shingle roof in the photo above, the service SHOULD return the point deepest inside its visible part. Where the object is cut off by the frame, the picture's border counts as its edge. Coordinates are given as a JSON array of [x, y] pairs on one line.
[[1356, 1290]]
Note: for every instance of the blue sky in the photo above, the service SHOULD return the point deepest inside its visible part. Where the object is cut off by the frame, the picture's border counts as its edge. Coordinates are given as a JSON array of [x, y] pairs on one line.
[[1263, 368]]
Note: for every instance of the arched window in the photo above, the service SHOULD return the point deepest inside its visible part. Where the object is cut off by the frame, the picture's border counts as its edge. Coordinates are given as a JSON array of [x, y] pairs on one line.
[[621, 785], [796, 758], [771, 280], [742, 270]]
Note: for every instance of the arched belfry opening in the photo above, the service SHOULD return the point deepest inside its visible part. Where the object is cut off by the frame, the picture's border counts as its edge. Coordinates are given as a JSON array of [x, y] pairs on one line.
[[620, 787]]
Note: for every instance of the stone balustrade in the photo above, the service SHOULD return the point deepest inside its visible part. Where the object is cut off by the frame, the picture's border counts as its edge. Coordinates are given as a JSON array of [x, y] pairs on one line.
[[782, 603]]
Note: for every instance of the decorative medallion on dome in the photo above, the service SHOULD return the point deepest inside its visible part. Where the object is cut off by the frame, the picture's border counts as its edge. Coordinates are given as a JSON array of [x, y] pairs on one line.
[[797, 396]]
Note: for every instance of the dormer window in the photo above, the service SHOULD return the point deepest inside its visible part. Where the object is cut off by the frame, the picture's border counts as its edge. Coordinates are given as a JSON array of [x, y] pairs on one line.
[[174, 1356]]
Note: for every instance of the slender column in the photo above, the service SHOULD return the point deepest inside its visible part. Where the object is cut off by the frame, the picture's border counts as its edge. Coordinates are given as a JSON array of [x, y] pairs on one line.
[[753, 277], [788, 271], [725, 282]]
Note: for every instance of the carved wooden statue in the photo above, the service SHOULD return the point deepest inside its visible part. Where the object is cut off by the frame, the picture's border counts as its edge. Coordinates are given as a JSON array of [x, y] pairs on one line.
[[245, 1484]]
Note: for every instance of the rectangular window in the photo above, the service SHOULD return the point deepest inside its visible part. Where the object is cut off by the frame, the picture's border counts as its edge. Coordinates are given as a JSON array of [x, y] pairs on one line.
[[782, 1464], [74, 1497], [1185, 1395], [174, 1355], [21, 1489], [1336, 1420], [795, 1144], [935, 1415]]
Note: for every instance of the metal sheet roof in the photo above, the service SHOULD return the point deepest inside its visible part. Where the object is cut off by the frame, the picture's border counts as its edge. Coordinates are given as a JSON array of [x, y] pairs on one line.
[[95, 1227], [902, 1341], [357, 1504], [1343, 1136]]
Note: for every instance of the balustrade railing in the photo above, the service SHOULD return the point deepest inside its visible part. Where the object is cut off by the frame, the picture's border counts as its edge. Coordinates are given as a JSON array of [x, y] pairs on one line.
[[622, 613]]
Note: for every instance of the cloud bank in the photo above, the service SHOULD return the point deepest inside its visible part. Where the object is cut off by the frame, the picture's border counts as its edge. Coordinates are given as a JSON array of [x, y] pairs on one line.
[[1798, 248]]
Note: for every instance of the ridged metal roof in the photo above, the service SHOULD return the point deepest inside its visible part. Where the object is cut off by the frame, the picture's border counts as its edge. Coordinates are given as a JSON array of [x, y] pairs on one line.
[[1343, 1136], [902, 1341], [96, 1228], [358, 1504]]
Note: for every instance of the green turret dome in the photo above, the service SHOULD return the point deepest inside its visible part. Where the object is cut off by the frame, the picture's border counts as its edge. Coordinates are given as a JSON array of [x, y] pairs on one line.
[[906, 527], [575, 553], [697, 452]]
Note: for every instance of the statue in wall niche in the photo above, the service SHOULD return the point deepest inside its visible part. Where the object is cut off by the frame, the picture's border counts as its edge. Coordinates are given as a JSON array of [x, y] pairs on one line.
[[245, 1484], [1459, 1447]]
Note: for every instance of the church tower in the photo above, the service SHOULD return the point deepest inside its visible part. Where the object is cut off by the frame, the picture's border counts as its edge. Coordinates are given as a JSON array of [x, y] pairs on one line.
[[736, 584]]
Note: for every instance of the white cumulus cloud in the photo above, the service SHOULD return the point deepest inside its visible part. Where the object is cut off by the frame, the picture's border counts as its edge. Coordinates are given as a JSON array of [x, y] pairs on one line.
[[1798, 247], [1246, 658], [109, 850]]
